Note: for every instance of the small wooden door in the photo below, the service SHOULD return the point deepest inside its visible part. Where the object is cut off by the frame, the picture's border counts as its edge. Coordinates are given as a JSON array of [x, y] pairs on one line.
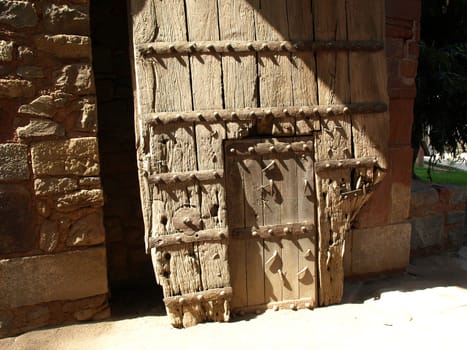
[[271, 220]]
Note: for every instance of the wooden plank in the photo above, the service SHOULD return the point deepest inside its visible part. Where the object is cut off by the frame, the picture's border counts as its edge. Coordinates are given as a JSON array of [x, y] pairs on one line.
[[213, 264], [275, 89], [237, 22], [370, 136], [235, 219], [253, 215], [202, 24], [275, 83], [304, 83], [238, 272], [177, 269], [172, 149], [306, 211], [273, 183], [289, 211], [143, 31], [334, 142]]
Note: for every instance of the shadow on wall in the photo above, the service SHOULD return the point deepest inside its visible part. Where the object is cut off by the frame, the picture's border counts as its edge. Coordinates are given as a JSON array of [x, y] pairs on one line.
[[128, 264]]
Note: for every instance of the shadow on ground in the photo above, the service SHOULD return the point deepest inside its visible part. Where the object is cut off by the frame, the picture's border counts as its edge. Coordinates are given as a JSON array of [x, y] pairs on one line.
[[446, 270]]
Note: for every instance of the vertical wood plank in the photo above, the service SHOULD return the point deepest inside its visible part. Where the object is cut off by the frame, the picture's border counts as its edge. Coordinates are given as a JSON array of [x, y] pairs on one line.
[[237, 22], [304, 83], [289, 215], [273, 182], [370, 134], [235, 219], [275, 76], [143, 31], [306, 213], [251, 176], [275, 89], [334, 142], [202, 24]]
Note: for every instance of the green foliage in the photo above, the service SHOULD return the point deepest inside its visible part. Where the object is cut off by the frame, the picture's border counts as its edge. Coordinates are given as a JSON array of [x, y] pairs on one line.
[[441, 103], [455, 177]]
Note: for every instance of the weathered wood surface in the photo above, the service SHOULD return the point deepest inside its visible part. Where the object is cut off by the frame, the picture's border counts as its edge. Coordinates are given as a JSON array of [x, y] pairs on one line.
[[334, 142], [371, 136], [309, 114], [298, 10], [274, 196], [249, 71]]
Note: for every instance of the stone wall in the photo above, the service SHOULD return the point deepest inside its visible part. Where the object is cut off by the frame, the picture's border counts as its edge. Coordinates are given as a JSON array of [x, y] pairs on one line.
[[381, 238], [438, 217], [52, 244]]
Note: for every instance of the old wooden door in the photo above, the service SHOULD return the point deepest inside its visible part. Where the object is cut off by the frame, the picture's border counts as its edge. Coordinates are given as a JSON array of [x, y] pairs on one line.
[[271, 220], [261, 125]]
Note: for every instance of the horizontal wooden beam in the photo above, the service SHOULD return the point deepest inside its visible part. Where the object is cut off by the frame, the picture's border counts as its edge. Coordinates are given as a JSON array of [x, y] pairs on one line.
[[248, 114], [199, 297], [327, 165], [183, 178], [274, 231], [160, 241], [250, 150], [293, 304], [226, 47]]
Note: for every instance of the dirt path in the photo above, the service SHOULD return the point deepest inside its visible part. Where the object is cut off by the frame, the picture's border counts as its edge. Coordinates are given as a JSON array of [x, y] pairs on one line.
[[425, 308]]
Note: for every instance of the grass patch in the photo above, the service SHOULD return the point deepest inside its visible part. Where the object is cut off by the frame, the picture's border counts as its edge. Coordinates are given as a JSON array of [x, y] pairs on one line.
[[454, 177]]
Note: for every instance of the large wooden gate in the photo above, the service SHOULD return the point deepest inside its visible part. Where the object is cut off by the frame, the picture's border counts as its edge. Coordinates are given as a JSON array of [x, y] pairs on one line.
[[261, 126]]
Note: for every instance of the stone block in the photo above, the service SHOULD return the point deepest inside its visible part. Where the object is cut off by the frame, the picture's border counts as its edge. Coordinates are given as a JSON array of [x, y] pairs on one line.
[[456, 217], [66, 19], [401, 177], [427, 231], [12, 88], [424, 197], [25, 54], [13, 162], [90, 182], [401, 112], [49, 235], [87, 231], [400, 202], [16, 220], [75, 79], [380, 249], [18, 14], [43, 106], [408, 9], [44, 278], [408, 68], [30, 72], [458, 195], [456, 236], [6, 51], [52, 185], [39, 128], [80, 199], [77, 156], [65, 46], [394, 48]]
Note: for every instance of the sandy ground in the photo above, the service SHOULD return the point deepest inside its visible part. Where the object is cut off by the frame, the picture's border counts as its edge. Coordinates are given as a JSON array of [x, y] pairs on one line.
[[425, 308]]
